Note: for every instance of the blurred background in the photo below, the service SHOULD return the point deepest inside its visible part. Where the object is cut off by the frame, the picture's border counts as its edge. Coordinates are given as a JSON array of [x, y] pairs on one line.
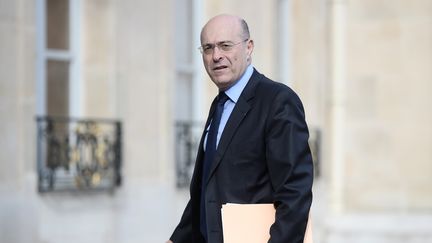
[[102, 103]]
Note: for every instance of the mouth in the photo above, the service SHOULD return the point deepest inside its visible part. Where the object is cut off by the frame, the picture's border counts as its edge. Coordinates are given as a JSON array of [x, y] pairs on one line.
[[218, 68]]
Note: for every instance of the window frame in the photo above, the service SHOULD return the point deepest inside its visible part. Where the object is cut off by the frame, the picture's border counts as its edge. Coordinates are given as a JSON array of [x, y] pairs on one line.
[[72, 56]]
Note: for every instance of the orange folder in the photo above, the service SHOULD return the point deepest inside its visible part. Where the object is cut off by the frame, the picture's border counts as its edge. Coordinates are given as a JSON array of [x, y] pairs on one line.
[[251, 223]]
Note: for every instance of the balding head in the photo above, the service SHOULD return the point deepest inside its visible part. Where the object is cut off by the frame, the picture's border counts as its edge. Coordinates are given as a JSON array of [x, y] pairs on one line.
[[229, 23], [227, 49]]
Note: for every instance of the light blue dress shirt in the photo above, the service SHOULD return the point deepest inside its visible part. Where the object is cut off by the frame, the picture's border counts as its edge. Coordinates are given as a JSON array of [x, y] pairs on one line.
[[233, 93]]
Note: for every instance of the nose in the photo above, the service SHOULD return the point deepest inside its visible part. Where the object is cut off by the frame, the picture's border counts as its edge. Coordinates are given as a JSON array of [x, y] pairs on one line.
[[217, 54]]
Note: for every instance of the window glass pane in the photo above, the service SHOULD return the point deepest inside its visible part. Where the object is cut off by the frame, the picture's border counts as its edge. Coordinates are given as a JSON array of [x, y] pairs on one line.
[[183, 32], [183, 101], [184, 50], [57, 24], [57, 88]]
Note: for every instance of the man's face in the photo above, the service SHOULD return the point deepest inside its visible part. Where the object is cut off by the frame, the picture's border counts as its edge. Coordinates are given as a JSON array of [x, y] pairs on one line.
[[226, 52]]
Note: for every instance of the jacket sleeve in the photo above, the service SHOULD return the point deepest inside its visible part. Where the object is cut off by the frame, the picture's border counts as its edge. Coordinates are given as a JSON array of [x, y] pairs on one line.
[[183, 231], [290, 166]]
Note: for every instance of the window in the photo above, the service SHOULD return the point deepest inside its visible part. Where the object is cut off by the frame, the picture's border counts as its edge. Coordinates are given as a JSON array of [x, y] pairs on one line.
[[58, 59], [188, 80]]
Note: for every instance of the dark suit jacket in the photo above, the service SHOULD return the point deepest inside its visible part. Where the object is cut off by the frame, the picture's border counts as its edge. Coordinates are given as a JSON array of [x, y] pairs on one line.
[[263, 157]]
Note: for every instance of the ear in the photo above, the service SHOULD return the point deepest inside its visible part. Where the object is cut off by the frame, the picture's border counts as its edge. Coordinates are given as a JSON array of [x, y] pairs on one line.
[[250, 47]]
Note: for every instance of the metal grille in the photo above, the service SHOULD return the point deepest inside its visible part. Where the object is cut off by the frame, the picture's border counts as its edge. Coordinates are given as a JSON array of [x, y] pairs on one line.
[[78, 153]]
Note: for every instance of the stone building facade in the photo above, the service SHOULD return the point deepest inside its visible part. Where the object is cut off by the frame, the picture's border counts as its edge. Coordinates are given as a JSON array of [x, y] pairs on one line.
[[363, 69]]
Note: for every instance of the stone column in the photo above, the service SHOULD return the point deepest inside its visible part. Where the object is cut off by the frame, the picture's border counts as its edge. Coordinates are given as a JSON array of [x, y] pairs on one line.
[[338, 67]]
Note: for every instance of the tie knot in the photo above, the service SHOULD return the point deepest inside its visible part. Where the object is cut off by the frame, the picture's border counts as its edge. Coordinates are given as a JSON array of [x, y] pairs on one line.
[[222, 98]]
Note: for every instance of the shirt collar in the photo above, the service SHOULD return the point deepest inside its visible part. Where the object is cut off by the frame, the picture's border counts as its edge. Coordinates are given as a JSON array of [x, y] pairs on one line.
[[235, 91]]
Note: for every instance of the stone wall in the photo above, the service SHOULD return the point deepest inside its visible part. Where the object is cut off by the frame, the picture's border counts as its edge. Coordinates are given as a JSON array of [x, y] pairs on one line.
[[389, 115], [361, 67], [17, 91]]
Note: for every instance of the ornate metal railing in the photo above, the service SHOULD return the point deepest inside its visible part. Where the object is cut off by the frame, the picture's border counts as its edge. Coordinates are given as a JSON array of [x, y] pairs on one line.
[[78, 153], [187, 135]]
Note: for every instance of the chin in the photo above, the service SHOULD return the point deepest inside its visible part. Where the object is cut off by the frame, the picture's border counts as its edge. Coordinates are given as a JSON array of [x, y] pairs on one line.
[[223, 85], [222, 82]]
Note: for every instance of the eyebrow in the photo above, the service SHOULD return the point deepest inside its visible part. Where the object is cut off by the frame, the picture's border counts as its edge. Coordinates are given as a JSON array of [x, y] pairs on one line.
[[219, 42]]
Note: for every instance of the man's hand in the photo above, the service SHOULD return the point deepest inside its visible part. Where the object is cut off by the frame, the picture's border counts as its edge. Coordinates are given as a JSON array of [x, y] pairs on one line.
[[169, 241]]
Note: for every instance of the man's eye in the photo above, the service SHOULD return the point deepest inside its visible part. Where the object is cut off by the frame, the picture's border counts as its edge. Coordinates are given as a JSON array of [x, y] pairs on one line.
[[207, 47]]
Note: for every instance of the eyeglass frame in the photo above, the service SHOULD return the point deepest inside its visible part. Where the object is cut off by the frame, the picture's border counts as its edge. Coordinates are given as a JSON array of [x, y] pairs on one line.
[[220, 46]]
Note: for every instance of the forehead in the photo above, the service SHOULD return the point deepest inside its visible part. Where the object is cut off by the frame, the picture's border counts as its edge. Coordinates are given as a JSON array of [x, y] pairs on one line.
[[221, 29]]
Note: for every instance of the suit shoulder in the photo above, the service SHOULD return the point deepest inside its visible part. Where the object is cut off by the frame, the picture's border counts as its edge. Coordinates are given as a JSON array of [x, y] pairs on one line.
[[280, 98], [273, 88]]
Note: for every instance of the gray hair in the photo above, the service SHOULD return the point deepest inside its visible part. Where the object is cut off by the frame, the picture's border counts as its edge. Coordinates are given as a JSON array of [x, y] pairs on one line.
[[245, 29]]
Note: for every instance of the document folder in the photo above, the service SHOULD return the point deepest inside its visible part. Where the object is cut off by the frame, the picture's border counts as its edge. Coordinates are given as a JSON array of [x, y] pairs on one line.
[[251, 223]]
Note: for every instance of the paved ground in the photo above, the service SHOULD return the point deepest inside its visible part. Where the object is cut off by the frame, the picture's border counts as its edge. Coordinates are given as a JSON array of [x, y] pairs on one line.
[[146, 211], [140, 211]]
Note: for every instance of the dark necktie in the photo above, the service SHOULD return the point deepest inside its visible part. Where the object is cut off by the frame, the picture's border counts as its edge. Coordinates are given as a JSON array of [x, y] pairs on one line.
[[210, 151]]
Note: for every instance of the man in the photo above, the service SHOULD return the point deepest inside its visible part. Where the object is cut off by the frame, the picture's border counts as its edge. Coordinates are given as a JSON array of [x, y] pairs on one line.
[[257, 151]]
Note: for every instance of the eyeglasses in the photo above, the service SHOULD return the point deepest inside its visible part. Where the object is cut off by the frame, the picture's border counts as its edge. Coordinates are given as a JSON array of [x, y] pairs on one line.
[[224, 46]]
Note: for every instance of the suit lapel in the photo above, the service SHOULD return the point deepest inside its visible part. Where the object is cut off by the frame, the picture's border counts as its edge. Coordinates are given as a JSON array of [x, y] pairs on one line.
[[239, 112]]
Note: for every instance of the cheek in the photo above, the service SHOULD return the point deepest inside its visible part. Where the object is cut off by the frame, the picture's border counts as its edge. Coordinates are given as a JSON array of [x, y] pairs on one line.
[[206, 63], [234, 62], [206, 58]]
